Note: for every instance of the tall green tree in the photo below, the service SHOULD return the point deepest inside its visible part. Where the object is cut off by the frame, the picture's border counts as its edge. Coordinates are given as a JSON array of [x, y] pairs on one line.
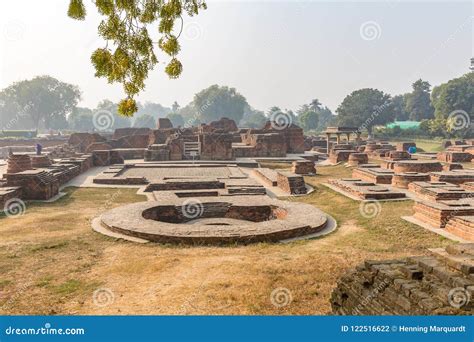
[[44, 100], [399, 108], [326, 118], [129, 52], [456, 94], [365, 108], [81, 119], [216, 102], [454, 105], [418, 102], [308, 118], [253, 118]]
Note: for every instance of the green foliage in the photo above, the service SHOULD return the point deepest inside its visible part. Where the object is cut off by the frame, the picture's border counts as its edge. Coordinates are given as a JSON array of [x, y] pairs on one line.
[[81, 120], [144, 120], [129, 54], [399, 108], [457, 94], [43, 100], [308, 119], [418, 103], [253, 118], [215, 102], [365, 108], [453, 101]]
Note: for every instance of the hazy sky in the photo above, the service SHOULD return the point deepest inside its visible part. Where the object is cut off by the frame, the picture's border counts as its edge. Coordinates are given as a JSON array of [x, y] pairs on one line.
[[280, 53]]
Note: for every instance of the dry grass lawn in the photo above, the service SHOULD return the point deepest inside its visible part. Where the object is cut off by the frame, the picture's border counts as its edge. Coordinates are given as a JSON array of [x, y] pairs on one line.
[[51, 262]]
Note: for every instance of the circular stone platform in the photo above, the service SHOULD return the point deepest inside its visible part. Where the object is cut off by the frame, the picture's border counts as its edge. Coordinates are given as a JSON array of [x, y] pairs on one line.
[[218, 220]]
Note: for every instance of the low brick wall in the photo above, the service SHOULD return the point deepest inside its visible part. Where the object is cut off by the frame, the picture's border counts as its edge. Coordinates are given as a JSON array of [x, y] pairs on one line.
[[417, 166], [417, 285], [291, 183], [402, 180], [454, 157]]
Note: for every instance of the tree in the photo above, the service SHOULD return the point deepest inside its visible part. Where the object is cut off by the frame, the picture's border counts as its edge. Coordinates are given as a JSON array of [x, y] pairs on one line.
[[315, 105], [308, 120], [43, 100], [216, 102], [176, 119], [399, 105], [175, 107], [144, 120], [129, 53], [418, 103], [326, 118], [81, 119], [156, 110], [455, 95], [454, 104], [253, 118], [365, 108]]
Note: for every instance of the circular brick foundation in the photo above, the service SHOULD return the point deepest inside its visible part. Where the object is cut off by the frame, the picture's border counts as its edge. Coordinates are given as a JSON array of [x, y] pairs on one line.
[[244, 219], [358, 158]]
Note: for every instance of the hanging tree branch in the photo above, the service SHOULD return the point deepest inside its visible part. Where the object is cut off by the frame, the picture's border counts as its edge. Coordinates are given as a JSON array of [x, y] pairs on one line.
[[131, 55]]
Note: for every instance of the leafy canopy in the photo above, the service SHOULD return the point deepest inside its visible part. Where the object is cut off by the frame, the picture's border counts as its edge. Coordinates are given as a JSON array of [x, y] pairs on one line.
[[129, 52], [365, 108], [42, 100]]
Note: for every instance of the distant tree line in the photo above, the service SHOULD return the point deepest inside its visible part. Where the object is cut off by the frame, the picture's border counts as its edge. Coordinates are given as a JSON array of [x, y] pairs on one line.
[[47, 103]]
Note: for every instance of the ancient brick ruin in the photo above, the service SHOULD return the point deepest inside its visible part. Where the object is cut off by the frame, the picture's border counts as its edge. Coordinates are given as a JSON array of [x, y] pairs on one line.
[[438, 284]]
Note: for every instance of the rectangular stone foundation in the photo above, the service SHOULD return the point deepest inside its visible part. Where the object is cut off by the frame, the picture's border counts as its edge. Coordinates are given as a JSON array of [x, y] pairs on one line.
[[454, 157], [374, 175], [462, 226], [439, 191], [365, 190], [403, 180], [454, 177], [9, 193], [36, 184], [291, 183], [437, 214]]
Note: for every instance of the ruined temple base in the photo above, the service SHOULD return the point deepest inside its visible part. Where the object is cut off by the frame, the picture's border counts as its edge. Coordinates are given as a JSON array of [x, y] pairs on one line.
[[419, 285]]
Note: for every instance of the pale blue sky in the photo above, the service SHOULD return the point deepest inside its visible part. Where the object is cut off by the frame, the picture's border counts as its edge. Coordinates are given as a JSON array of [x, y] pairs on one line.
[[280, 53]]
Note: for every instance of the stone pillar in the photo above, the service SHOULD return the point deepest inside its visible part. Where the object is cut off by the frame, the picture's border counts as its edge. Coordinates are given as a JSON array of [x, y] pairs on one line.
[[338, 138], [328, 136]]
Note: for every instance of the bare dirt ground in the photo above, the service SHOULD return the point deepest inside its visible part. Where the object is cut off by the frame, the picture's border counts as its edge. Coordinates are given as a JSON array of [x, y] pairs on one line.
[[51, 262]]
